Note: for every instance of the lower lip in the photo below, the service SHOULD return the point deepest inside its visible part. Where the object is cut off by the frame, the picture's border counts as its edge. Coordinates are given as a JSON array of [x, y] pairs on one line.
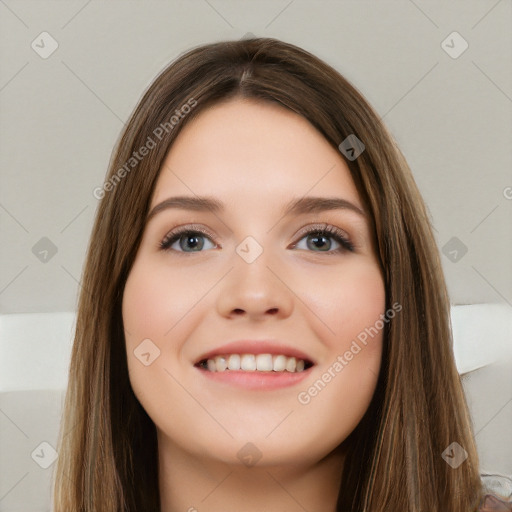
[[257, 380]]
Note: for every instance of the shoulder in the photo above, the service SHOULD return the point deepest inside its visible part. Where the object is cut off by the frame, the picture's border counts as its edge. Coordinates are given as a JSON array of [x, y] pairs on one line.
[[492, 503], [497, 493]]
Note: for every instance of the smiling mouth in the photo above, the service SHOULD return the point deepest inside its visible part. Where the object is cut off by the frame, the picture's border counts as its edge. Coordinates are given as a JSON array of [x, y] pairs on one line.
[[265, 363]]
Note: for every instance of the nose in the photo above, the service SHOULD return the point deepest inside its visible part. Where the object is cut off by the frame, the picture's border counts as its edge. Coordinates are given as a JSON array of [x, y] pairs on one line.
[[255, 290]]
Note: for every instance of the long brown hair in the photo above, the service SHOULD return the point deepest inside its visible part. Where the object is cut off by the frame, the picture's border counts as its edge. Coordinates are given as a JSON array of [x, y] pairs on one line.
[[107, 443]]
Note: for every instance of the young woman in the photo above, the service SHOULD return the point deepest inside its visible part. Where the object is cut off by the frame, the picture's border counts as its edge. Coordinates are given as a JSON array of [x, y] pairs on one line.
[[263, 321]]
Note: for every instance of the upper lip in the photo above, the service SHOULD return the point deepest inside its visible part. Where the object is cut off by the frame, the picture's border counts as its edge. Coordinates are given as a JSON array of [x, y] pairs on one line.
[[256, 347]]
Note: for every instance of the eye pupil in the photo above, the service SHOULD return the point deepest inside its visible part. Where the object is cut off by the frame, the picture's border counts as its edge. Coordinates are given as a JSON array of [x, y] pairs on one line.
[[315, 240], [195, 241]]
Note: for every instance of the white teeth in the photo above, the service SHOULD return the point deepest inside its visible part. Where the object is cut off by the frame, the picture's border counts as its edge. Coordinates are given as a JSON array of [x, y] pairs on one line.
[[291, 364], [279, 363], [234, 362], [251, 362], [248, 362], [264, 362], [221, 363]]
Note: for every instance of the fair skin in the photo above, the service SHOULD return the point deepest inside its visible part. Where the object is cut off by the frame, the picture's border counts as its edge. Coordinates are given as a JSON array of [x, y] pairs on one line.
[[300, 292]]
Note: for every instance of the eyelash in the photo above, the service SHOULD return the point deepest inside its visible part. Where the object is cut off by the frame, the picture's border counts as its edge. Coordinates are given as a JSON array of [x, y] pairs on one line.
[[321, 230]]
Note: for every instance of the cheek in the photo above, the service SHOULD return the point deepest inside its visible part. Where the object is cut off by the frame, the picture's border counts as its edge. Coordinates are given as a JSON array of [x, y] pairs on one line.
[[156, 308], [352, 328], [348, 303], [164, 304], [154, 300]]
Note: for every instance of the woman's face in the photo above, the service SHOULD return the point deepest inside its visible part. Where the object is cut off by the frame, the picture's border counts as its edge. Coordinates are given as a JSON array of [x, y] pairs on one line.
[[254, 287]]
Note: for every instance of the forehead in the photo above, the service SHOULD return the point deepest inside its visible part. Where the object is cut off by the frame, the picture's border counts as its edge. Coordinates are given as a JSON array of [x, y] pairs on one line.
[[252, 151]]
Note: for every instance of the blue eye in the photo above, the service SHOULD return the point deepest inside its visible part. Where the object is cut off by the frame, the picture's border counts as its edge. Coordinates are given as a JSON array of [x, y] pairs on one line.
[[316, 238], [185, 236]]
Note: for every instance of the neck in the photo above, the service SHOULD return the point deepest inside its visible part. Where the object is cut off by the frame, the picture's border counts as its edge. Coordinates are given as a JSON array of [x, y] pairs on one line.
[[190, 484]]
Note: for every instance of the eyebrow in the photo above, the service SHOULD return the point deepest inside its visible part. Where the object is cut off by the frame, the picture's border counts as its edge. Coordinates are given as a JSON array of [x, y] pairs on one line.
[[302, 205]]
